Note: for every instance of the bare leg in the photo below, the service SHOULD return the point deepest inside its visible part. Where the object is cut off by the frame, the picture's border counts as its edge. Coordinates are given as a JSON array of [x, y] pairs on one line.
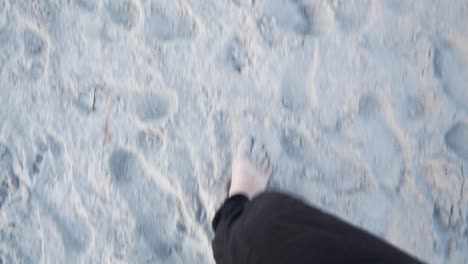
[[254, 226]]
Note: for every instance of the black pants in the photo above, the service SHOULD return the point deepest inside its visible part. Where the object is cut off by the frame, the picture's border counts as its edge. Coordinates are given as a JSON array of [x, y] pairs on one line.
[[276, 228]]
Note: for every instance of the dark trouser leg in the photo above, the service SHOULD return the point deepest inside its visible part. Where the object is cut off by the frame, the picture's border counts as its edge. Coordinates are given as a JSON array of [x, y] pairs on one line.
[[276, 228]]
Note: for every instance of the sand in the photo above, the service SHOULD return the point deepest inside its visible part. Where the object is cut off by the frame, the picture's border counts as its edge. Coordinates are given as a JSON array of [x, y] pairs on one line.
[[118, 119]]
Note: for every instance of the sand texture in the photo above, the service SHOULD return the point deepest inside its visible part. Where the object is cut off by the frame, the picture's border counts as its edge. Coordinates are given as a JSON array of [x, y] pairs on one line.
[[118, 120]]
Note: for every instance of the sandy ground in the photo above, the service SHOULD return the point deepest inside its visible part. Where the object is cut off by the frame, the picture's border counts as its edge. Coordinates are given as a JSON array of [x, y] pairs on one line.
[[118, 119]]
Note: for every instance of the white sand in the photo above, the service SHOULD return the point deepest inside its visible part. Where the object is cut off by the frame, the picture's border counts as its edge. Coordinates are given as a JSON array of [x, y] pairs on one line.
[[118, 117]]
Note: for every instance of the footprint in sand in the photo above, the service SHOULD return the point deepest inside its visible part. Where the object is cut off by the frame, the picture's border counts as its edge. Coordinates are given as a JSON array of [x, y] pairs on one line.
[[9, 182], [50, 168], [168, 20], [295, 145], [44, 147], [182, 163], [314, 156], [124, 13], [35, 47], [151, 202], [456, 139], [298, 16], [150, 140], [380, 145], [37, 163], [289, 15], [352, 15], [155, 107], [87, 5], [34, 43], [296, 91], [451, 68], [60, 161], [241, 55], [74, 230], [293, 94], [45, 13]]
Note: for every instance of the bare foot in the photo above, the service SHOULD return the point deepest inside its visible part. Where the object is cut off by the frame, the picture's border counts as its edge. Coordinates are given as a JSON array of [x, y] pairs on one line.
[[251, 169]]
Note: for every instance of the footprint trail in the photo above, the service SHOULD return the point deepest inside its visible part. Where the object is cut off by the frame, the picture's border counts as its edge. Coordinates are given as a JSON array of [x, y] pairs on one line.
[[387, 166], [169, 20], [155, 107]]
